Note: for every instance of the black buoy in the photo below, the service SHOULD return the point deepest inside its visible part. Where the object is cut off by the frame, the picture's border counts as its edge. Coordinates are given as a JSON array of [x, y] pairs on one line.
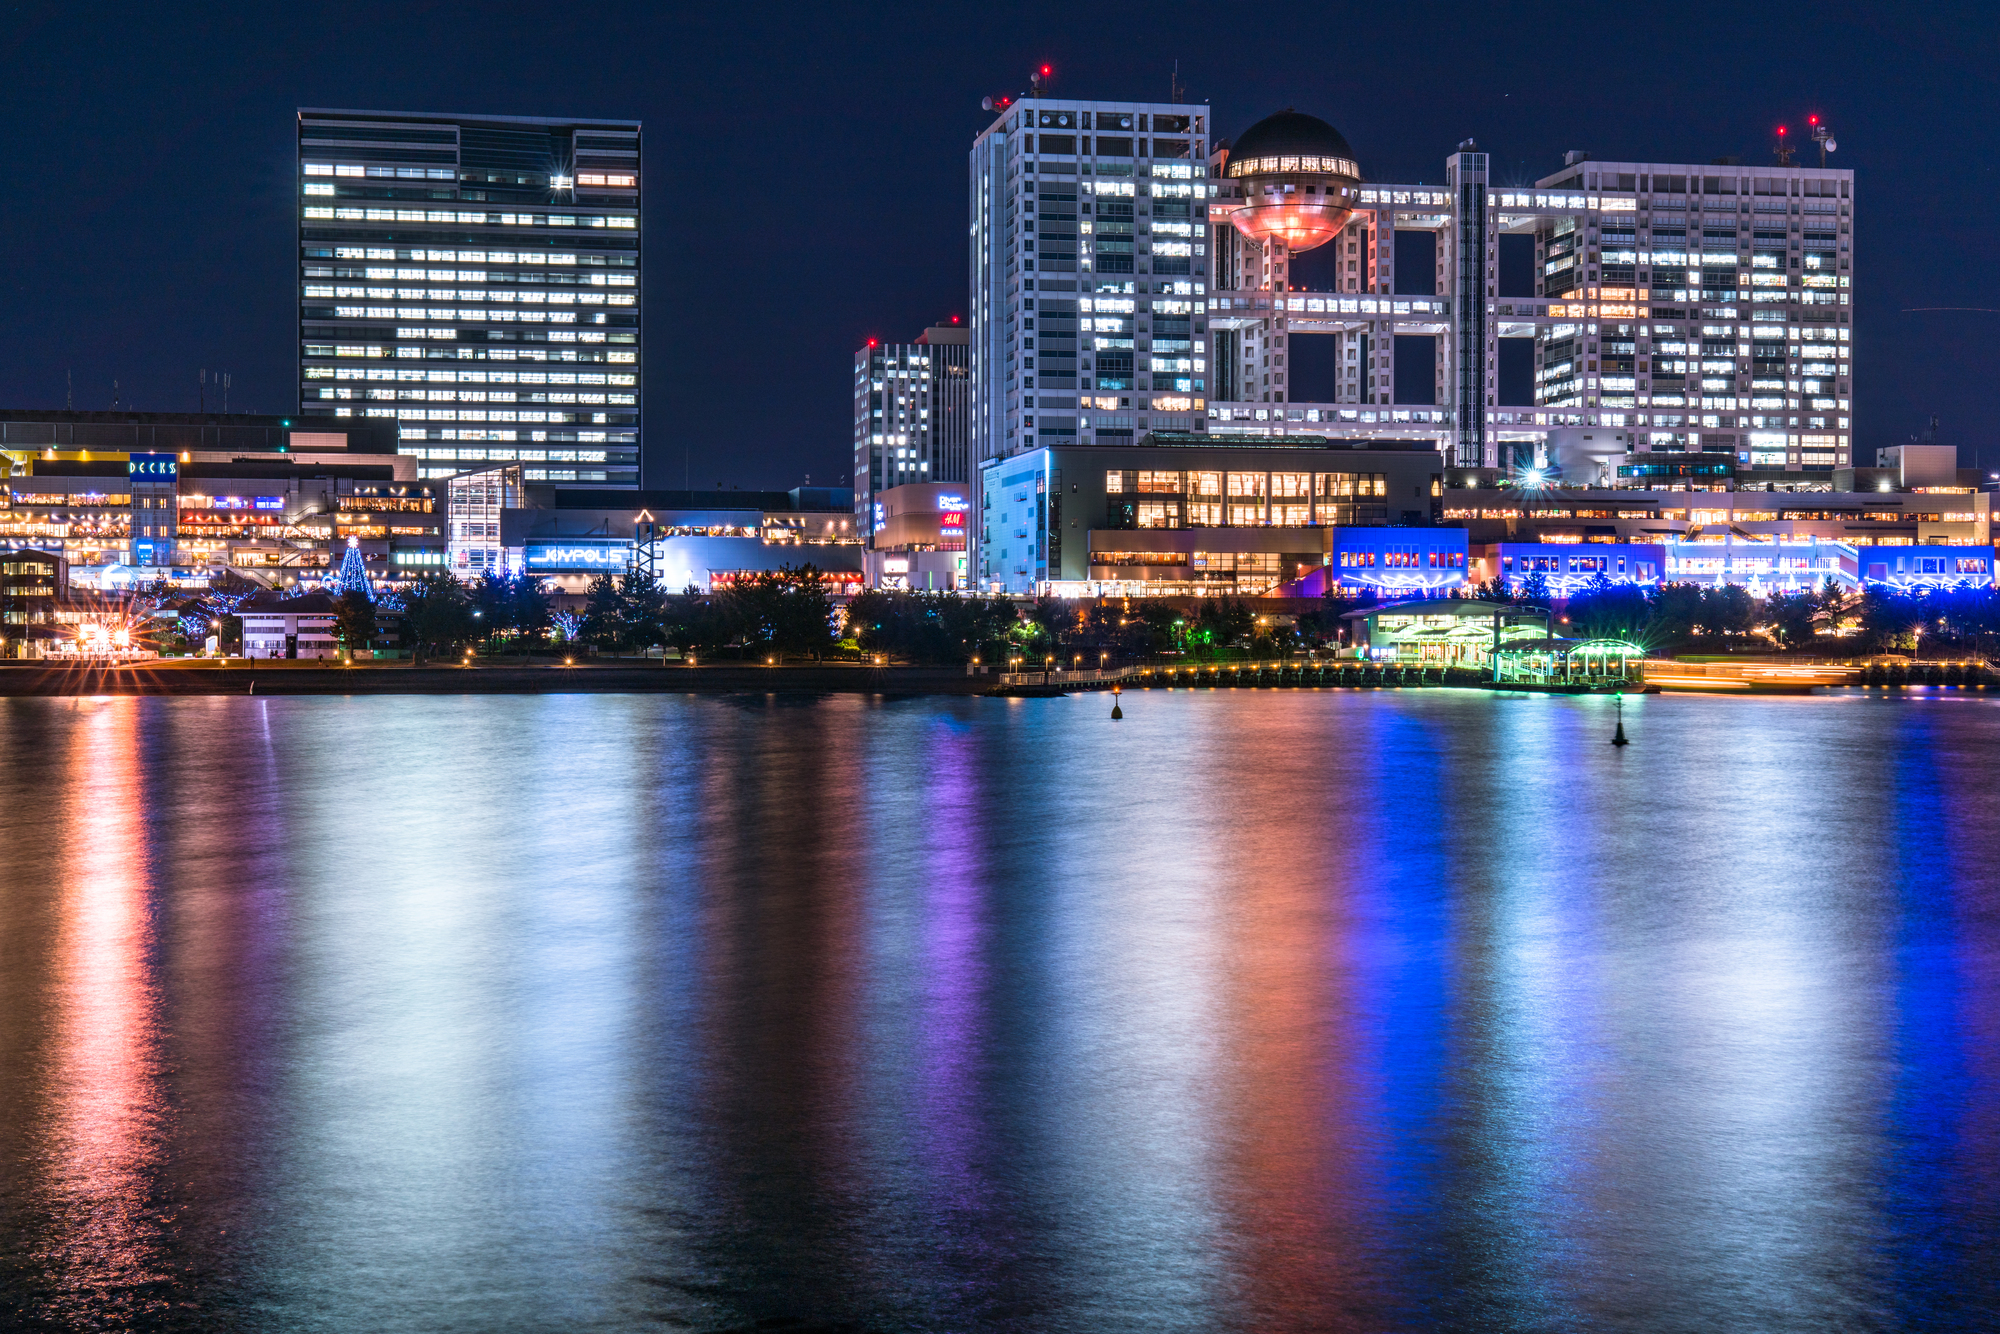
[[1116, 712], [1618, 737]]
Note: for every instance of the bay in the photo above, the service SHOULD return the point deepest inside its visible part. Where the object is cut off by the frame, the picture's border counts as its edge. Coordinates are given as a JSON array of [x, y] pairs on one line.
[[1287, 1009]]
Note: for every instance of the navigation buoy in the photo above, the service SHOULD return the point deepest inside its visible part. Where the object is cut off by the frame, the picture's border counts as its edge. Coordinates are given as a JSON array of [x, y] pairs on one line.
[[1618, 737], [1116, 712]]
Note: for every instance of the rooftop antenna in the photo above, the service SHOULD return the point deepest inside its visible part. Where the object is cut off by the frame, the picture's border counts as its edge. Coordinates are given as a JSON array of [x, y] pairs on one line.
[[201, 393], [1823, 136], [1784, 149], [69, 391], [1180, 89], [114, 395], [1039, 81], [225, 392]]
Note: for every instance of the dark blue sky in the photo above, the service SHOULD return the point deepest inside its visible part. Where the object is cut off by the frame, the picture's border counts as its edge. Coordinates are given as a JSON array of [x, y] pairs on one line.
[[805, 167]]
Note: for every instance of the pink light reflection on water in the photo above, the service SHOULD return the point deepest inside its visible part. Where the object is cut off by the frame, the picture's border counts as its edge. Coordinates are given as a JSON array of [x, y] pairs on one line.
[[107, 1116]]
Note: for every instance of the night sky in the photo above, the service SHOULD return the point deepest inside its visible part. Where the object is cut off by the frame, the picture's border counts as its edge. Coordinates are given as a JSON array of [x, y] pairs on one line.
[[805, 168]]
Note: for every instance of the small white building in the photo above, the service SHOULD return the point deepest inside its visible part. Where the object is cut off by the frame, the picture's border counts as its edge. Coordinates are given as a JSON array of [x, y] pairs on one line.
[[282, 627]]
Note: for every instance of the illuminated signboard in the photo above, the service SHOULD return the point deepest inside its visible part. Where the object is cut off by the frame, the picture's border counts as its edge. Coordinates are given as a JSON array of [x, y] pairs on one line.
[[248, 502], [951, 520], [577, 557], [880, 521], [153, 467], [952, 504]]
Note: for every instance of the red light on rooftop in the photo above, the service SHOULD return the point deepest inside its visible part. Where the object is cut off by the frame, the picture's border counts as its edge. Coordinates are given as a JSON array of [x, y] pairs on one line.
[[871, 342], [1812, 120], [1046, 71], [1781, 129]]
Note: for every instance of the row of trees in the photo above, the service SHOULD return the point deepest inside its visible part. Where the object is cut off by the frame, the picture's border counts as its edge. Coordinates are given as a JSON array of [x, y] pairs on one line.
[[791, 613], [787, 612], [1880, 619], [933, 627]]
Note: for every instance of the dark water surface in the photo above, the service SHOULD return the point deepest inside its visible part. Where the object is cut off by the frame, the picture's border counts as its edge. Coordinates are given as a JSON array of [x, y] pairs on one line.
[[1279, 1010]]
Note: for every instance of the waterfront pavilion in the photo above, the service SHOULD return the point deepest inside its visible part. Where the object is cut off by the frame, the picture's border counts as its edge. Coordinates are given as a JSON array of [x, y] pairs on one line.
[[1590, 662], [1444, 632]]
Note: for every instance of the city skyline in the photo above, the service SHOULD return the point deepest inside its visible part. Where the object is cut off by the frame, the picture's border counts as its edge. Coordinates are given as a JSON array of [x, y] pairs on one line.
[[765, 406]]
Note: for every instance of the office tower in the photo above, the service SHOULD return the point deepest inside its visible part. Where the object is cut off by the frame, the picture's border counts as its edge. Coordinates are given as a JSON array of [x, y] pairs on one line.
[[912, 413], [476, 278]]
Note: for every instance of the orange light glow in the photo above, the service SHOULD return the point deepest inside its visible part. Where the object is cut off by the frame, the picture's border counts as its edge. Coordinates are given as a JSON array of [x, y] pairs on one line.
[[1301, 226]]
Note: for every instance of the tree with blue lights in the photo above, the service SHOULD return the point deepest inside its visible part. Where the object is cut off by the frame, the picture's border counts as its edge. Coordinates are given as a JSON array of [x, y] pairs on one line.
[[351, 577]]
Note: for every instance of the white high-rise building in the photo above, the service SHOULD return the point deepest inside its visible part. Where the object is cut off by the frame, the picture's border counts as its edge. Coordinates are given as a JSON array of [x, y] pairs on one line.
[[476, 279], [1089, 269]]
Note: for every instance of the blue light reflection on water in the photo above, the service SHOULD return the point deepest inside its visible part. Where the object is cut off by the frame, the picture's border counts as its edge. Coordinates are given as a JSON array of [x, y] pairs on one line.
[[1254, 1010]]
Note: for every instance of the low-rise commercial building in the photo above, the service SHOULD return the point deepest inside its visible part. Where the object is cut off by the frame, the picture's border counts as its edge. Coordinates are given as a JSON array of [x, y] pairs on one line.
[[177, 498], [917, 537], [34, 582], [1182, 514], [1961, 515], [275, 626], [1567, 568], [702, 539]]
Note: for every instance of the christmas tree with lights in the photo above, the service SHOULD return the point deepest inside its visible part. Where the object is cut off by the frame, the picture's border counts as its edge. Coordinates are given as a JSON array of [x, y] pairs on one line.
[[352, 574]]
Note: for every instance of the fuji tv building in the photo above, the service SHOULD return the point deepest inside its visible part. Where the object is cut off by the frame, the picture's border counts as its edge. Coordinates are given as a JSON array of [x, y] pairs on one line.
[[1691, 308], [1683, 328]]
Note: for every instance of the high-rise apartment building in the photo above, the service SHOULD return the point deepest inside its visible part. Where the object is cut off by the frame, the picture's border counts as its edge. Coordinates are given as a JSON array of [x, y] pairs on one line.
[[912, 413], [475, 278]]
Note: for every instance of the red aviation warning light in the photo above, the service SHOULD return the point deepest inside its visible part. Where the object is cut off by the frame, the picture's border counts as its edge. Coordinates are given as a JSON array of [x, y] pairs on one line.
[[1785, 149]]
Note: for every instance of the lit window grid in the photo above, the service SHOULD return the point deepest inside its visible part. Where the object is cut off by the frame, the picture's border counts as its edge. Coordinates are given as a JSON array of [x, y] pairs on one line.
[[1772, 420], [494, 429], [1580, 397], [606, 448], [908, 439], [1005, 258]]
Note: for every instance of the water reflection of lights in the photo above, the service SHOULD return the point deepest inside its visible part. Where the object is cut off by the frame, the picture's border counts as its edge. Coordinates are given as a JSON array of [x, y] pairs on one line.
[[103, 1141]]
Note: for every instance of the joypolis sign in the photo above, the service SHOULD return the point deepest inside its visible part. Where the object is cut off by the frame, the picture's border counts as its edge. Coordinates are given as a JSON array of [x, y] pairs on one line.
[[574, 557]]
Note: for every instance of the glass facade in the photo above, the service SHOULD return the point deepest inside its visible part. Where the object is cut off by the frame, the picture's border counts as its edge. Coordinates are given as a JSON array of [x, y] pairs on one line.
[[476, 279]]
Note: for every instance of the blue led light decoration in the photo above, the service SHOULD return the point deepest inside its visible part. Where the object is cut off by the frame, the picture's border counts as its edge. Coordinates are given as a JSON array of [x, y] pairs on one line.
[[352, 574]]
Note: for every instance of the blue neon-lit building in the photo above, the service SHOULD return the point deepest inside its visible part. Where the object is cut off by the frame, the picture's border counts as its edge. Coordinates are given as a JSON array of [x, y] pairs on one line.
[[1926, 567], [1568, 567], [1397, 561]]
